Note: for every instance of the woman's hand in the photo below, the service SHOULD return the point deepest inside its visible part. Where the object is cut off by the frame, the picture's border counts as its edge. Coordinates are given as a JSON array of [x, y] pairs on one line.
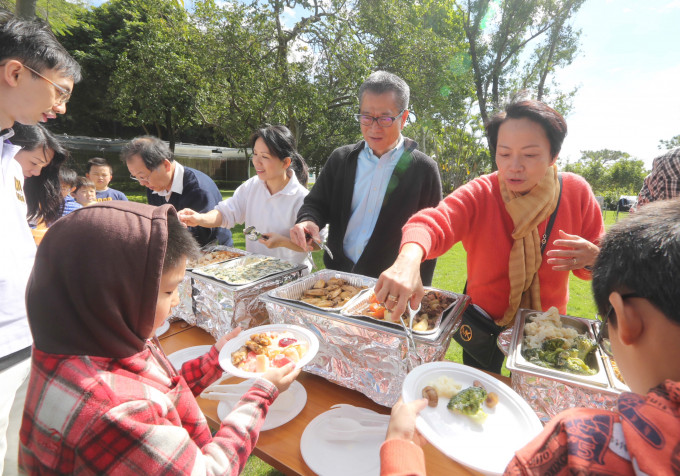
[[188, 217], [402, 424], [226, 338], [400, 284], [282, 377], [272, 240], [582, 253], [298, 235]]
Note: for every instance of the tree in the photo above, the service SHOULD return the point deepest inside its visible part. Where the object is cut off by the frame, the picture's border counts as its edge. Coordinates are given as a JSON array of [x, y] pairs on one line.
[[669, 144], [610, 170]]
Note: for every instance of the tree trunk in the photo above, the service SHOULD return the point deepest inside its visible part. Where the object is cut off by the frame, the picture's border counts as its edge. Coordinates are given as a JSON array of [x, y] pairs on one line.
[[170, 129], [26, 9]]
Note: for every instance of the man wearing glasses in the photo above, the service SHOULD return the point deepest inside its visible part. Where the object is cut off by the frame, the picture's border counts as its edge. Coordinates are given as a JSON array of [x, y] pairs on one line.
[[367, 191], [36, 79], [152, 164]]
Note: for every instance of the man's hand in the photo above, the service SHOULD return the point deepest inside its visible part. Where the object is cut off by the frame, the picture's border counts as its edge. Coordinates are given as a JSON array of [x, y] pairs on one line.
[[298, 234], [188, 217], [226, 338], [282, 377], [403, 421], [400, 284]]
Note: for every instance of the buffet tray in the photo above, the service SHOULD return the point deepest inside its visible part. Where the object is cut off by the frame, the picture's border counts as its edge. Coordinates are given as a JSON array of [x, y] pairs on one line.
[[360, 303], [616, 383], [244, 261], [292, 292], [216, 249]]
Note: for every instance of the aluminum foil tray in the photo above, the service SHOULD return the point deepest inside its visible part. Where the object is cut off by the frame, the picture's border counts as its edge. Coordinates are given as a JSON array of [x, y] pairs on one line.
[[551, 391], [360, 303], [613, 379], [251, 261], [218, 307], [217, 250], [293, 292], [582, 326], [363, 355]]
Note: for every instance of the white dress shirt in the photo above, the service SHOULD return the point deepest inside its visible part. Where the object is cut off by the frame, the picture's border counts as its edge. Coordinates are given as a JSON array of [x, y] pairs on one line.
[[177, 183], [253, 205], [370, 183]]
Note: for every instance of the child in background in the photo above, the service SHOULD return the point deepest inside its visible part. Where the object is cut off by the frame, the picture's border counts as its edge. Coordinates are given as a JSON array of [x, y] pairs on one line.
[[67, 181], [102, 397], [85, 192], [101, 174]]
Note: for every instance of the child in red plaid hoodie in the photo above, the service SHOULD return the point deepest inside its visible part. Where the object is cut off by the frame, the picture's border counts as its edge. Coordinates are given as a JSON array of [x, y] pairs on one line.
[[102, 397]]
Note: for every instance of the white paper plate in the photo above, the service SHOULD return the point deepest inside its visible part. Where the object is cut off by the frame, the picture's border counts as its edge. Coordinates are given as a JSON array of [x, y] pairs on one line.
[[162, 329], [339, 458], [178, 358], [488, 447], [233, 345], [287, 406]]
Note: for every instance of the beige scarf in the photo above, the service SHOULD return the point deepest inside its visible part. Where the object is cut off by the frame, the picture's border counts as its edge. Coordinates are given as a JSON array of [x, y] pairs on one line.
[[527, 211]]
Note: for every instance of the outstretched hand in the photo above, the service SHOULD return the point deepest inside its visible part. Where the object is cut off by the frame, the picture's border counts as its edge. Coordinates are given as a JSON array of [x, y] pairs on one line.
[[580, 253], [400, 284], [298, 235], [403, 421], [188, 217]]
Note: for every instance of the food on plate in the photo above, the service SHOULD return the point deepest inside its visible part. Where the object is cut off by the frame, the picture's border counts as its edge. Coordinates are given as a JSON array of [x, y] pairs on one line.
[[445, 386], [431, 394], [469, 402], [214, 257], [268, 349], [431, 308], [248, 271], [548, 344], [335, 292]]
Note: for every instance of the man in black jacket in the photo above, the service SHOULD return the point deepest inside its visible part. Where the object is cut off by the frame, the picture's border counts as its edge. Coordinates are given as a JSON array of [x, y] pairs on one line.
[[152, 164], [367, 191]]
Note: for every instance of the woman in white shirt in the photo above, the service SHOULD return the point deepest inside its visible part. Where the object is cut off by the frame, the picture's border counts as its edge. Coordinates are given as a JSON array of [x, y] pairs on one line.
[[269, 201]]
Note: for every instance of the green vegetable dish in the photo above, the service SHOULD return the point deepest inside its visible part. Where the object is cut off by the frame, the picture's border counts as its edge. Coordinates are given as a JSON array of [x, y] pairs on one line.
[[469, 402]]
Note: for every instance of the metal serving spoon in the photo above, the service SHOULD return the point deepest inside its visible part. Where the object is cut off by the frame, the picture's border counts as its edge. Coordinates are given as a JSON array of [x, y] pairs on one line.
[[252, 234]]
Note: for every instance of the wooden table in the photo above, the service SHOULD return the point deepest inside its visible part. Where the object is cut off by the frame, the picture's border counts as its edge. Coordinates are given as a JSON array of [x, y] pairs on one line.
[[280, 447]]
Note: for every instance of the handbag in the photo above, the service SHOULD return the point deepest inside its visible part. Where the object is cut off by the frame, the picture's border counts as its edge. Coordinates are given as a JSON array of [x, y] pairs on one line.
[[478, 333]]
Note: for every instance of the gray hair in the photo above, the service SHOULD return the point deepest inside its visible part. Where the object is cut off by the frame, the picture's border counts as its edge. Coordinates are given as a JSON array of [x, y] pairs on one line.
[[152, 150], [381, 82]]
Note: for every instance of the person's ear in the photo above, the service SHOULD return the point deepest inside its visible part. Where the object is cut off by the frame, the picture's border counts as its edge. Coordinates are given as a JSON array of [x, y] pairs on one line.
[[554, 159], [87, 174], [286, 162], [404, 118], [11, 72], [168, 165], [629, 322], [72, 190]]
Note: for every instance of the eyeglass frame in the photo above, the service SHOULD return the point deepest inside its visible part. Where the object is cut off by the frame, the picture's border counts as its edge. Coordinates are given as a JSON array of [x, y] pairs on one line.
[[65, 93], [604, 320], [378, 119]]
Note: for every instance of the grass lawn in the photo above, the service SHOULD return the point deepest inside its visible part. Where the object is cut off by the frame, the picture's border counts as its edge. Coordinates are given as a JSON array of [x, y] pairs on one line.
[[450, 274]]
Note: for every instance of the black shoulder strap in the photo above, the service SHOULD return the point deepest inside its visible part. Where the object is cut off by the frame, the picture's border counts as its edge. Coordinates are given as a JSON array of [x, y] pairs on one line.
[[548, 228]]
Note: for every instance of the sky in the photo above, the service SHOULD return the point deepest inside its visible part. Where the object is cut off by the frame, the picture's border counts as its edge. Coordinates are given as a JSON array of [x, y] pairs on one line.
[[628, 74], [629, 78]]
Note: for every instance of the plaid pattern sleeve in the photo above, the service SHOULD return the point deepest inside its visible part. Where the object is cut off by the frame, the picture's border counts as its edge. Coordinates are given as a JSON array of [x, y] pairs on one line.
[[88, 415], [202, 371], [664, 180]]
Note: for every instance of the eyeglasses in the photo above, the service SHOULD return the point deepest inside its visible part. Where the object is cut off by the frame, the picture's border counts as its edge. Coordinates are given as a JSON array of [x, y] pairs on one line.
[[64, 94], [383, 121], [603, 321]]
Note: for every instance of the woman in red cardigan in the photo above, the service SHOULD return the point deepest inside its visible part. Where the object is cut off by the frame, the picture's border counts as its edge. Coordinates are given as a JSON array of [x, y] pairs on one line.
[[501, 218]]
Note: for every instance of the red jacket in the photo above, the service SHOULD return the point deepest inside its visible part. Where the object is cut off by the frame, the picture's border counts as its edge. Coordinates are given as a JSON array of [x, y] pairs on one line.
[[475, 214]]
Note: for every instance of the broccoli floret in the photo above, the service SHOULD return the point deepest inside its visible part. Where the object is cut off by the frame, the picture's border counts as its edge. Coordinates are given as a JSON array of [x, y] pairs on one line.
[[469, 402], [583, 346], [551, 345], [576, 365]]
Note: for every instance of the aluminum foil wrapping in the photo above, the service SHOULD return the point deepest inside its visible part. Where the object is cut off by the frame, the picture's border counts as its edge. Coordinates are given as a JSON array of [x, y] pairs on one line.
[[219, 308], [364, 356], [184, 310], [549, 397]]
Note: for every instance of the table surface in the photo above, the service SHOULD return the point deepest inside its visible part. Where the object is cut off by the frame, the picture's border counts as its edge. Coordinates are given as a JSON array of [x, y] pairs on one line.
[[280, 447]]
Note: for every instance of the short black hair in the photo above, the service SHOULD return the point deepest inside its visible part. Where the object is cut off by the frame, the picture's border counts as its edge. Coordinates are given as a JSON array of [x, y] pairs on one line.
[[181, 243], [84, 182], [68, 176], [520, 107], [641, 254], [381, 82], [98, 161], [152, 150], [33, 43]]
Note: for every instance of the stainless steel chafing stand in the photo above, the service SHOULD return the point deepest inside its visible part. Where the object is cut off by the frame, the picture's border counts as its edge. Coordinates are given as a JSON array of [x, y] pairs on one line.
[[219, 307], [362, 355], [551, 391]]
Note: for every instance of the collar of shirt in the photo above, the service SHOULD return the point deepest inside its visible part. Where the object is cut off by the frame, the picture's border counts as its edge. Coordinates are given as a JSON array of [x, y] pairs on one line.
[[290, 188], [370, 184], [177, 183]]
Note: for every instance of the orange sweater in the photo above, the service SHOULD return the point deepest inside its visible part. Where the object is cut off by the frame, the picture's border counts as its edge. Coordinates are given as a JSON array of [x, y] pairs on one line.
[[475, 214]]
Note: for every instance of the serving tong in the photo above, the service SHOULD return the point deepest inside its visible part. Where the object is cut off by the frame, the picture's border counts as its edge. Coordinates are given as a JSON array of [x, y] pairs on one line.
[[252, 234], [412, 351]]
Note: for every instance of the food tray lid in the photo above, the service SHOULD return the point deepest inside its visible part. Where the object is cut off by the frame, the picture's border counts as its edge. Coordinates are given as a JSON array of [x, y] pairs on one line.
[[204, 272], [293, 291], [360, 302], [517, 363]]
